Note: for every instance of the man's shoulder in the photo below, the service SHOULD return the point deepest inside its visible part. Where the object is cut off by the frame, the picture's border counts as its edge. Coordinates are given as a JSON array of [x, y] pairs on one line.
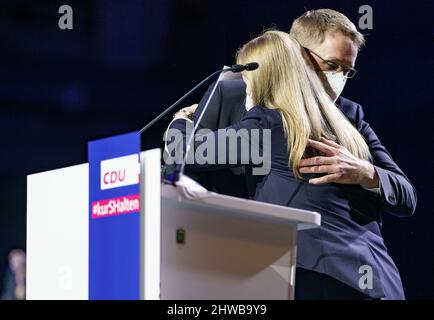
[[232, 100], [233, 85]]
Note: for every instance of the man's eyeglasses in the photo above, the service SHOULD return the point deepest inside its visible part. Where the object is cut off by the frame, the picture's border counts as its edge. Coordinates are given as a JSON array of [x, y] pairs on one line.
[[348, 71]]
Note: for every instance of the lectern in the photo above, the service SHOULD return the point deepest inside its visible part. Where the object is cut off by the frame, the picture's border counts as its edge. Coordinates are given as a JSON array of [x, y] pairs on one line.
[[194, 244]]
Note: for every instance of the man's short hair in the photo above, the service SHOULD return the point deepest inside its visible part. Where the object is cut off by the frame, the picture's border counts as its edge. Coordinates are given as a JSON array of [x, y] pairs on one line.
[[311, 27]]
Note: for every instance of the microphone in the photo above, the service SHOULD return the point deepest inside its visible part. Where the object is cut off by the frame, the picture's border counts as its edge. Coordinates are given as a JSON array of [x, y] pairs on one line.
[[244, 67], [178, 174], [235, 68]]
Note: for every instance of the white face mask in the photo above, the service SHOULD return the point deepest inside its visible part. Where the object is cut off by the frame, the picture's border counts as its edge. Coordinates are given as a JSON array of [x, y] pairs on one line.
[[249, 102], [337, 83]]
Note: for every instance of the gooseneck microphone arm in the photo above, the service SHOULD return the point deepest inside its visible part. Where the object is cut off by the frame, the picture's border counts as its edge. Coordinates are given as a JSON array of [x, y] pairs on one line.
[[234, 68], [179, 101]]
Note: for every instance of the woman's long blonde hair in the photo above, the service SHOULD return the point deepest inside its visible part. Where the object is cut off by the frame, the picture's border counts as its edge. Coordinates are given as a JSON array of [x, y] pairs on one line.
[[286, 81]]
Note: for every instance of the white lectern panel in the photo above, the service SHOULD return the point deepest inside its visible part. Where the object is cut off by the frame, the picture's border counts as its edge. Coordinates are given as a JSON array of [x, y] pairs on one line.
[[57, 234], [232, 248]]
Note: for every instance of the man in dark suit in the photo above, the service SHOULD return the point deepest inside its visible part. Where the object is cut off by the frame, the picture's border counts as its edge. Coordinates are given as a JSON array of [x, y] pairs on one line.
[[332, 43]]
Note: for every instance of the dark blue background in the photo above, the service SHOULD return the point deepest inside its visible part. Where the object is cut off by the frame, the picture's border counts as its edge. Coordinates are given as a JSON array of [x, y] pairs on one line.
[[127, 60]]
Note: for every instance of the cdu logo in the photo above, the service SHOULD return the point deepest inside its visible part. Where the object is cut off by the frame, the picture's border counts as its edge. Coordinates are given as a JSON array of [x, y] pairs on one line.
[[120, 172]]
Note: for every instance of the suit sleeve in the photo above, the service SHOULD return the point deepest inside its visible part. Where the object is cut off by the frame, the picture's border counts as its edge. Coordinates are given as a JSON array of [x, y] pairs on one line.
[[398, 195], [223, 148], [212, 114]]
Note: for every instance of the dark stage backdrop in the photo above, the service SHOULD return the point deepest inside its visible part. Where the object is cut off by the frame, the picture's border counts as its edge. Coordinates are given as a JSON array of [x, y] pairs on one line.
[[125, 61]]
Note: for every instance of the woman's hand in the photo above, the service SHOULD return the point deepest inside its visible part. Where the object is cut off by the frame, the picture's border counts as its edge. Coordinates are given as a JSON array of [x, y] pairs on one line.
[[186, 112]]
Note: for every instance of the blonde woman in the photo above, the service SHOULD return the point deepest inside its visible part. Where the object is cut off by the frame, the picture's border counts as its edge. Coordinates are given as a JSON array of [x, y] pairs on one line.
[[291, 103]]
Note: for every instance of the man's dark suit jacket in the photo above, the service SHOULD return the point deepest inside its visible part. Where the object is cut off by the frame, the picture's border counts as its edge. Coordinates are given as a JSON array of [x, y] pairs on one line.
[[349, 241]]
